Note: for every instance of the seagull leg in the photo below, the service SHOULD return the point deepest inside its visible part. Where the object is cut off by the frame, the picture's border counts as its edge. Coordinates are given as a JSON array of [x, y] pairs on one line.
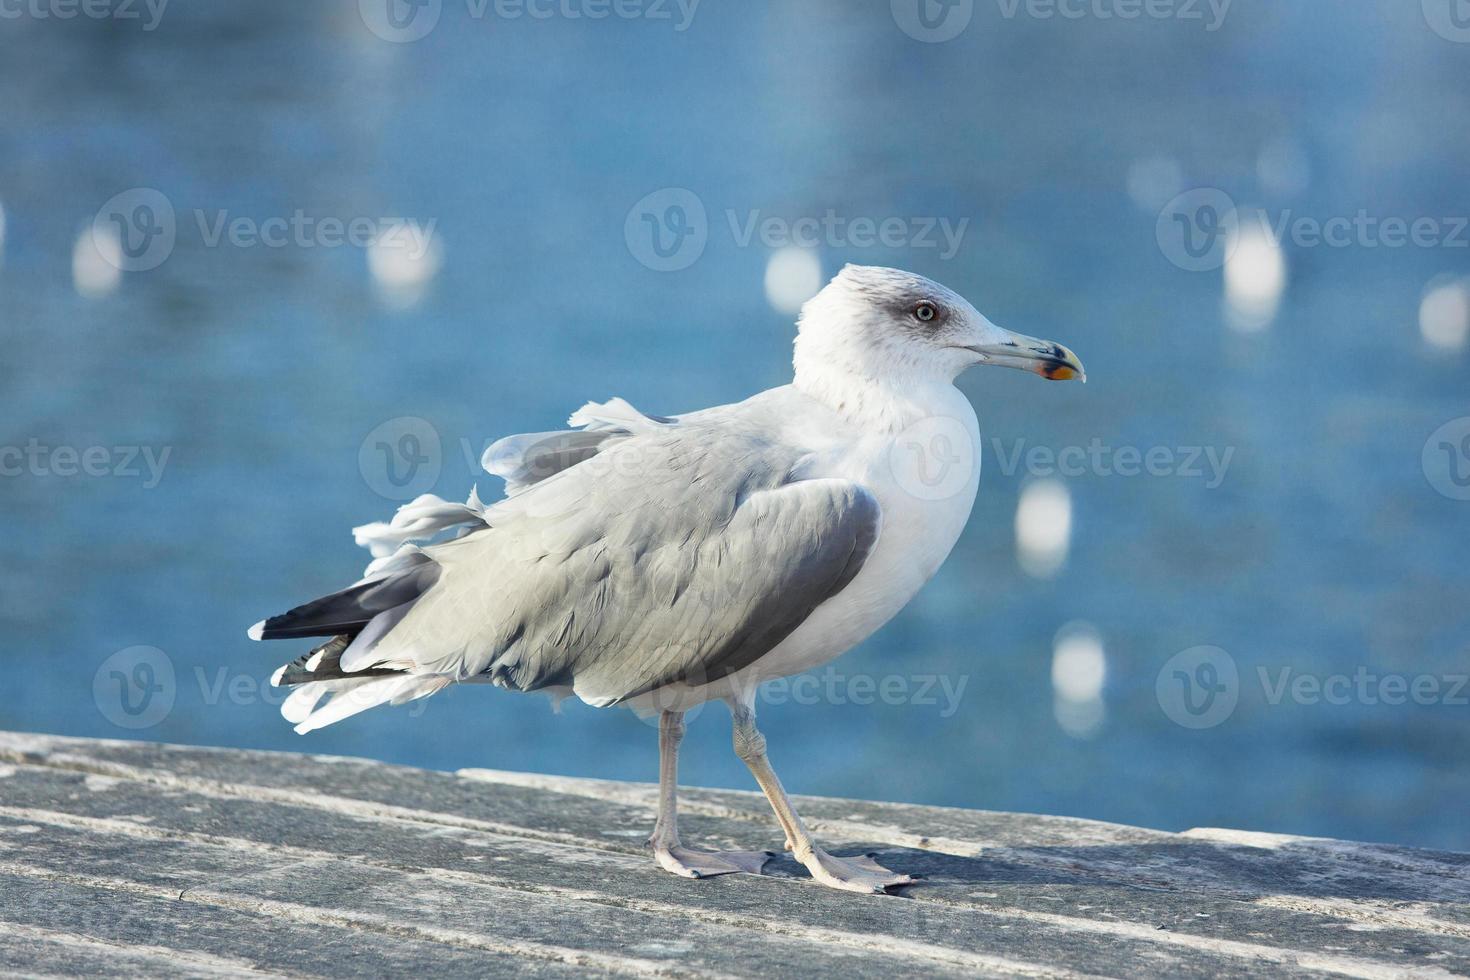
[[858, 874], [671, 855]]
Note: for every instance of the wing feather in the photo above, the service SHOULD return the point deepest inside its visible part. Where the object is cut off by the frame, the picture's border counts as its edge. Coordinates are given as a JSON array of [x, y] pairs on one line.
[[682, 553]]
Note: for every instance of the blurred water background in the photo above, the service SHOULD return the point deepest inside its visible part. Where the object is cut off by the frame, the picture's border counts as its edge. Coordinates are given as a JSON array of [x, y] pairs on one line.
[[1332, 544]]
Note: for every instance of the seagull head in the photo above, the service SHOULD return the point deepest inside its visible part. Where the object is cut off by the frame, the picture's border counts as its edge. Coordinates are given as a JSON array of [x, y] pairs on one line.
[[880, 323]]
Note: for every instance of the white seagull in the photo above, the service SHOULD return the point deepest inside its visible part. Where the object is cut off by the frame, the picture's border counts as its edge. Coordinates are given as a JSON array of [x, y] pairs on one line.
[[658, 563]]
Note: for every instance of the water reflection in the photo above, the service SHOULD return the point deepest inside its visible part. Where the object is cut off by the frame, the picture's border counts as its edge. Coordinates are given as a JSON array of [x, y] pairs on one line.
[[793, 276], [1255, 278], [96, 261], [402, 267], [1043, 527], [1078, 671], [1444, 314]]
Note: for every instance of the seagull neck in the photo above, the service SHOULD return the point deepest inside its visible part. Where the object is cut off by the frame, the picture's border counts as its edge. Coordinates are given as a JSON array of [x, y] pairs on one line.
[[886, 403]]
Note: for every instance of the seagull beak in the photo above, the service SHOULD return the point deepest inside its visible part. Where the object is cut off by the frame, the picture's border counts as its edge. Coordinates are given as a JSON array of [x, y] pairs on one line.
[[1044, 357]]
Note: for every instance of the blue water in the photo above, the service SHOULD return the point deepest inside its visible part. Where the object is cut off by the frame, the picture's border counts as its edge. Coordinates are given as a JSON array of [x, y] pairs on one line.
[[1324, 551]]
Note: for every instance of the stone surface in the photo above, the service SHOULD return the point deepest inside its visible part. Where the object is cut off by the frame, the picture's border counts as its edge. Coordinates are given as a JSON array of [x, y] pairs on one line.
[[136, 859]]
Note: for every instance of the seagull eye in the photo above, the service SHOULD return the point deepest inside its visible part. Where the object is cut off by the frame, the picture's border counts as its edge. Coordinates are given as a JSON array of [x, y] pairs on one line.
[[925, 312]]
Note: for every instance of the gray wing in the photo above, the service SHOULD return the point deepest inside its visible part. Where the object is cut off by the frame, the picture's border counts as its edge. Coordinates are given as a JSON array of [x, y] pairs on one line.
[[527, 459], [681, 554]]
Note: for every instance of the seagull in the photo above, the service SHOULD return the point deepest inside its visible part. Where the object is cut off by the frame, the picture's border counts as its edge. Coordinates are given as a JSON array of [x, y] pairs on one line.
[[660, 562]]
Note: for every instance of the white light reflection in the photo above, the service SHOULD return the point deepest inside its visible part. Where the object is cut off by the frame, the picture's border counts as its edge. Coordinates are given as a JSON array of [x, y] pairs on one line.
[[96, 261], [1043, 527], [403, 265], [1078, 671], [793, 276], [1255, 278], [1444, 314]]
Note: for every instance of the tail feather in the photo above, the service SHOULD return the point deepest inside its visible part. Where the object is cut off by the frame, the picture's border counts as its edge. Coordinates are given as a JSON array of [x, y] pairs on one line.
[[323, 663], [319, 673], [361, 653], [348, 697], [342, 668], [350, 610]]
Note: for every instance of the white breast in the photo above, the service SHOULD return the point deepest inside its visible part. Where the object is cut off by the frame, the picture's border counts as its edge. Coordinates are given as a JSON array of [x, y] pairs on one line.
[[925, 477]]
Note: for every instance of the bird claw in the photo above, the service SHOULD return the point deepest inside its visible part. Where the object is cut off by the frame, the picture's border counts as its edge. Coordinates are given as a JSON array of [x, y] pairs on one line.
[[690, 863], [854, 874]]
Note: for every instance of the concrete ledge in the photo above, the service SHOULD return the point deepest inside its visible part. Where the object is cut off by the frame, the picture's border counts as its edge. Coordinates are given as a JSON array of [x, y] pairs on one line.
[[130, 858]]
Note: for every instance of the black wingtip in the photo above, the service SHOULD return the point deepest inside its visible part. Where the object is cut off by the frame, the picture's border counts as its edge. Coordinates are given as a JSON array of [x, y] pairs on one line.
[[351, 609]]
